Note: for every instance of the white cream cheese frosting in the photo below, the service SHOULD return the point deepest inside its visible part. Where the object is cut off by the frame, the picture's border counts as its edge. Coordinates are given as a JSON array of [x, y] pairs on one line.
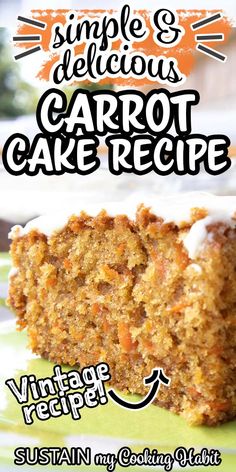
[[176, 209], [12, 272]]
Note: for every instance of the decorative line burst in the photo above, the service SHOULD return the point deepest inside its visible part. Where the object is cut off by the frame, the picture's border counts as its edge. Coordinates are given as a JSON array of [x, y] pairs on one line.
[[211, 52], [29, 38], [209, 37], [205, 21], [26, 38], [29, 21], [28, 52]]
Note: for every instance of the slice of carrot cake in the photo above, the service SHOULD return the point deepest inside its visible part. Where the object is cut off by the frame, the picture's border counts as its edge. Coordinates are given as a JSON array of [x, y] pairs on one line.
[[138, 287]]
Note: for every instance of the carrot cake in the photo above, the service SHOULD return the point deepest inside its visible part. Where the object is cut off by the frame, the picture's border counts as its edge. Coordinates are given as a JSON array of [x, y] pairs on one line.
[[137, 286]]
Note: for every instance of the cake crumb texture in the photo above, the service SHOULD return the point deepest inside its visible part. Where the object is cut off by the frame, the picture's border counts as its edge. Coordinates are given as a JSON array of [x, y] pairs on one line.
[[126, 292]]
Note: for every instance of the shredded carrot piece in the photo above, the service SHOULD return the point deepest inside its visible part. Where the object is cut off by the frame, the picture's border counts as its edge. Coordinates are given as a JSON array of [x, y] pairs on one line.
[[106, 326], [181, 257], [67, 264], [125, 337], [217, 350], [178, 307], [51, 282], [120, 250], [149, 346], [193, 392], [160, 263], [221, 406], [109, 273], [96, 308]]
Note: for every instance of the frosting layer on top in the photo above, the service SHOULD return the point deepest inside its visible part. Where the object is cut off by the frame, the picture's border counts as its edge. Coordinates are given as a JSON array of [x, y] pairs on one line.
[[175, 209]]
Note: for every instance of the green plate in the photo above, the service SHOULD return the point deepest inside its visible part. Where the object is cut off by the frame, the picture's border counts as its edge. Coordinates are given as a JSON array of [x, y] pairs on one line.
[[105, 428]]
